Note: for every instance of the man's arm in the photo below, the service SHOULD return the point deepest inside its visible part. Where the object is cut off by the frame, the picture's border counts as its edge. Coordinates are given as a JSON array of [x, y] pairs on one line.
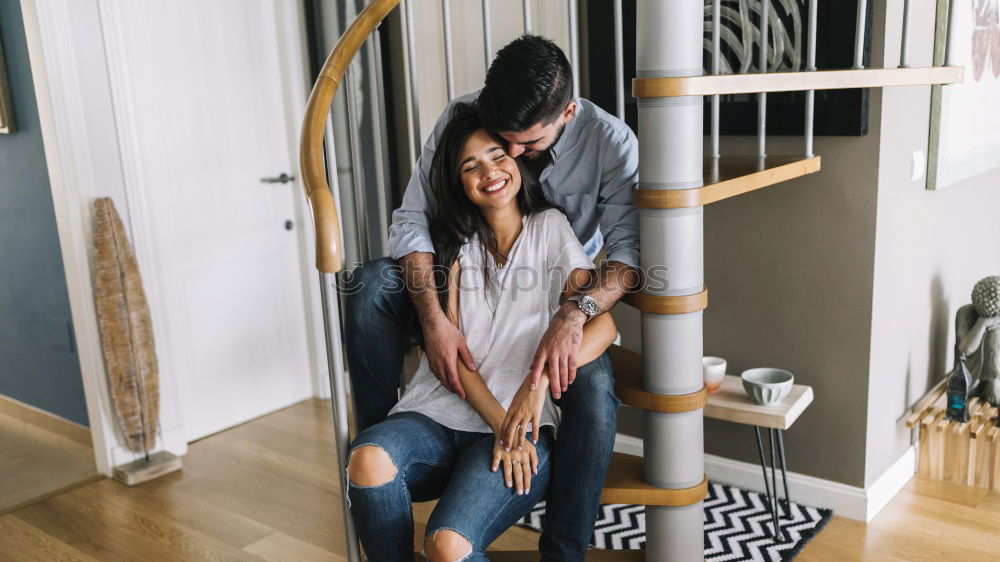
[[560, 346], [526, 407], [619, 220]]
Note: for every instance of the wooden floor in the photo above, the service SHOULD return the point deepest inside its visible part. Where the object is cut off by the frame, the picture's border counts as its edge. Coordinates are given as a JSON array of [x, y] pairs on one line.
[[35, 461], [266, 491]]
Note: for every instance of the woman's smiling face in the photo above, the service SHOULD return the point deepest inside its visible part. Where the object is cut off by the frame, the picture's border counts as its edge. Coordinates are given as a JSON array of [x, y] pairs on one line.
[[489, 177]]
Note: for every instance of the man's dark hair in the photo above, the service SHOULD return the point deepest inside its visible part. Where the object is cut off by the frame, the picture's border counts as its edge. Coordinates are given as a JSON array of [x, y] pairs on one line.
[[530, 81]]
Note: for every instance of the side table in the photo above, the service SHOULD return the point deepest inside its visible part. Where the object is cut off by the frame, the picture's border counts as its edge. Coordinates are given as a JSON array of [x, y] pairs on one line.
[[731, 403]]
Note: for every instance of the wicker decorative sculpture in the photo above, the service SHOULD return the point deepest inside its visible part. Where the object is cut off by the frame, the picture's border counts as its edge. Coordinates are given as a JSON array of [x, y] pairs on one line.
[[126, 331], [977, 327]]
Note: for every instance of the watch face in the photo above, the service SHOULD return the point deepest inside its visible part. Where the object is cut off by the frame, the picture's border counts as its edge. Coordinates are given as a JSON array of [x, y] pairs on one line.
[[589, 306]]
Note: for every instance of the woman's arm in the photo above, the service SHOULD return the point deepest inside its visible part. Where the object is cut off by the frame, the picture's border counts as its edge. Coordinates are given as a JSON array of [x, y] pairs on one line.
[[519, 465], [476, 392]]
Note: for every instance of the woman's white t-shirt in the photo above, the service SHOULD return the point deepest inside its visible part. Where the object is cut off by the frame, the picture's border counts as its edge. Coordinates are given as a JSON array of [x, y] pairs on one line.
[[503, 324]]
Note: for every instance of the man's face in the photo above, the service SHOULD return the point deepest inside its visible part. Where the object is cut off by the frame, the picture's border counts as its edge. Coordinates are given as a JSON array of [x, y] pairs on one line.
[[533, 142]]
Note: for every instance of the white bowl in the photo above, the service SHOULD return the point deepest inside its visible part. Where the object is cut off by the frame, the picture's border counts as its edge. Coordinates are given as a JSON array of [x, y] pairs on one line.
[[714, 369], [767, 385]]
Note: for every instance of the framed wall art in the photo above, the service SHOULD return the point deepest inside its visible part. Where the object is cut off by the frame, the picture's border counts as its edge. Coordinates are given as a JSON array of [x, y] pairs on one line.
[[965, 124]]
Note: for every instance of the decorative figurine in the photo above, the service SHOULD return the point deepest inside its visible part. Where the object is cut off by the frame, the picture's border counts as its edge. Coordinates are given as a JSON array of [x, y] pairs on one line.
[[977, 329]]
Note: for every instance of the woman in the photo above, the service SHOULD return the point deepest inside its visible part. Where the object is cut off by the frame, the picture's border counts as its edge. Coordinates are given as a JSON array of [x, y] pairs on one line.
[[504, 258]]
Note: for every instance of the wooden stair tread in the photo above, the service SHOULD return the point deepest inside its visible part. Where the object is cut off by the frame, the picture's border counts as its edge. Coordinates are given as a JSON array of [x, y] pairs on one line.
[[707, 85], [728, 176], [627, 368], [592, 555], [625, 484]]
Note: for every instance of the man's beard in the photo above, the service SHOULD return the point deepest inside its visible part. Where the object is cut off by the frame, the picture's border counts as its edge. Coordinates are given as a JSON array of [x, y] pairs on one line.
[[536, 154]]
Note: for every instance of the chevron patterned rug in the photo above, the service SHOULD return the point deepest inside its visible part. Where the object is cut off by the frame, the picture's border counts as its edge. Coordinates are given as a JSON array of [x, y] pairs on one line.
[[737, 526]]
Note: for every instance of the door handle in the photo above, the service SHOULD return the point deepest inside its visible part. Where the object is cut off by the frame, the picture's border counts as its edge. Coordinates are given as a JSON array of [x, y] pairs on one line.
[[283, 178]]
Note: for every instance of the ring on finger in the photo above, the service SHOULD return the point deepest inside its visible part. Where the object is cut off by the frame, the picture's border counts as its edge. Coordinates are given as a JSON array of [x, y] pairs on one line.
[[515, 461], [520, 427]]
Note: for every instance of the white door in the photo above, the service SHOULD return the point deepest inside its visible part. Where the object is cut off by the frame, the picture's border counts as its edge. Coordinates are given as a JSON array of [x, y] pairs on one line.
[[203, 87]]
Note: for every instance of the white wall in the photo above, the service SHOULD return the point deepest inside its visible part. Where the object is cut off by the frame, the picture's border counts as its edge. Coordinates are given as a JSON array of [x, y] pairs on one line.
[[930, 249]]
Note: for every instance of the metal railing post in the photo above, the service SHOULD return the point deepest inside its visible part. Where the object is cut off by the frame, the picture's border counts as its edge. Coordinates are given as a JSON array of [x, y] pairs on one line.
[[338, 391], [619, 62], [449, 70], [716, 23], [859, 34], [487, 35], [762, 97], [904, 41], [574, 46], [411, 58], [810, 66]]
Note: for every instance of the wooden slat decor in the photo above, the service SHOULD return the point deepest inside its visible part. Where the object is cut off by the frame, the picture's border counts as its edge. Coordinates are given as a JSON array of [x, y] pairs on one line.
[[960, 453], [727, 177], [708, 85]]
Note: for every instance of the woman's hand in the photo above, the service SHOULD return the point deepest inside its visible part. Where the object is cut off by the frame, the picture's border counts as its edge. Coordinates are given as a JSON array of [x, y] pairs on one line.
[[525, 408], [518, 466]]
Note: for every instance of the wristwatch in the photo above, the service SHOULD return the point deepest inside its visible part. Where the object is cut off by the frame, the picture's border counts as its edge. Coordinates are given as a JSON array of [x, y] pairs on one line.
[[586, 303]]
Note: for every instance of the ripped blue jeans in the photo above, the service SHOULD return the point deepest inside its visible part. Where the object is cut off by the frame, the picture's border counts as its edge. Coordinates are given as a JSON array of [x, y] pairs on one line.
[[435, 462]]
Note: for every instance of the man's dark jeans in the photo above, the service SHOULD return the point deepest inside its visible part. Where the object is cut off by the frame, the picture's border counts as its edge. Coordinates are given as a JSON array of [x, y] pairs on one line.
[[379, 317]]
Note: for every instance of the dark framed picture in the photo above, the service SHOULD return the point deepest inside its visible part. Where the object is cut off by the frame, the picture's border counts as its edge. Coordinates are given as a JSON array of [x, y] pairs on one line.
[[6, 108], [837, 112]]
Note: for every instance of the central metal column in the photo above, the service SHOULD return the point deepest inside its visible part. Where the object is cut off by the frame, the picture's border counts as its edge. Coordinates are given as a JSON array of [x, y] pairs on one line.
[[669, 43]]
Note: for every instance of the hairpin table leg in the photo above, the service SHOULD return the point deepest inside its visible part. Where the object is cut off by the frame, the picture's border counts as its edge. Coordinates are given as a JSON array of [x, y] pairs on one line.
[[767, 484], [776, 511], [784, 474]]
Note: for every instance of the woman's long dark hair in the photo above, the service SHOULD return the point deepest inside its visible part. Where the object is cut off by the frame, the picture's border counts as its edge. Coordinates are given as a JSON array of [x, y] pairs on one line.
[[454, 218]]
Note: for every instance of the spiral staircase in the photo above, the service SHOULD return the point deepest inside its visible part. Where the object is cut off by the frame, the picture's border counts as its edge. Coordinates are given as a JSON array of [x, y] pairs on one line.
[[676, 181]]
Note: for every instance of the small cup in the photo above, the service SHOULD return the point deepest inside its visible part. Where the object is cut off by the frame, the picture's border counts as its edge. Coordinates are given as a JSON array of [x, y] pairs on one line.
[[714, 369]]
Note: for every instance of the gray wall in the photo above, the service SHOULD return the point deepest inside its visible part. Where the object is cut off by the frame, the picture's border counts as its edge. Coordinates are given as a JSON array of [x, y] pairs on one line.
[[930, 249], [38, 360], [789, 272]]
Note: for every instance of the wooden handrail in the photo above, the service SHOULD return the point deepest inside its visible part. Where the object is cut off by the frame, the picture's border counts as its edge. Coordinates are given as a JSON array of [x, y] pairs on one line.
[[326, 221]]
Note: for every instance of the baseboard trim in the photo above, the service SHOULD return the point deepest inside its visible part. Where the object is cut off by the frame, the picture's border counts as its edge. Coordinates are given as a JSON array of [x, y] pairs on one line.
[[45, 420], [847, 501]]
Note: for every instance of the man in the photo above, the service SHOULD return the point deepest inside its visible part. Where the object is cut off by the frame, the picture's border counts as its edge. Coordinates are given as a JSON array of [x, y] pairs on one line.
[[587, 163]]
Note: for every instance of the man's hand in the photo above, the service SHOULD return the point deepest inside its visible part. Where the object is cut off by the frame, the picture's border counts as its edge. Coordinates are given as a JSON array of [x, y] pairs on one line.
[[525, 408], [445, 343], [558, 350]]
